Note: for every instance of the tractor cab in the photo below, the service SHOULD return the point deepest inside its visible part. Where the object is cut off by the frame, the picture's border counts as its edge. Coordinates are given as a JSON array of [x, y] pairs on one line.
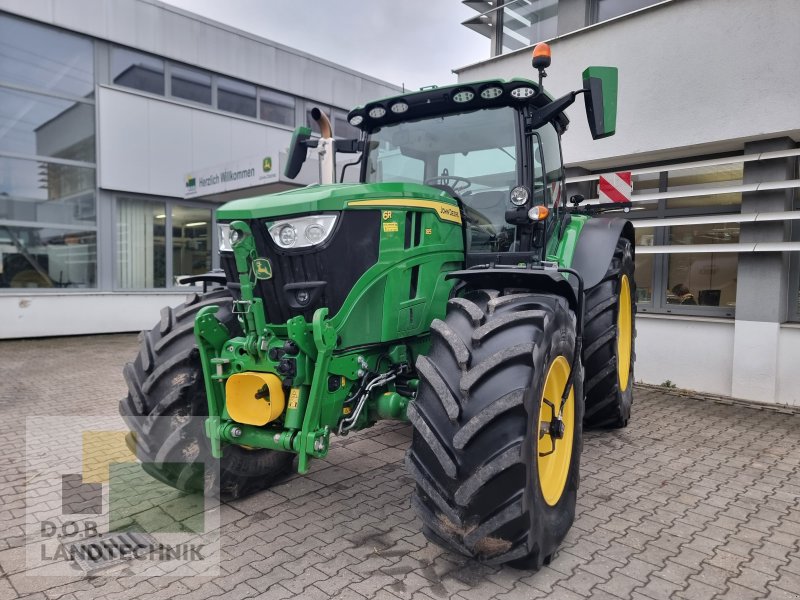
[[493, 146], [475, 147]]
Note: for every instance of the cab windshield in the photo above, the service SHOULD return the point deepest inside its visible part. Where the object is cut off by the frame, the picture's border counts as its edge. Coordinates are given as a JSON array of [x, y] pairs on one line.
[[472, 156]]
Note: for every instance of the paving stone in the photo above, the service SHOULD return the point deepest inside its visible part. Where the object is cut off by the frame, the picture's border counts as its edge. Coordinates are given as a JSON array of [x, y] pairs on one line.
[[657, 516]]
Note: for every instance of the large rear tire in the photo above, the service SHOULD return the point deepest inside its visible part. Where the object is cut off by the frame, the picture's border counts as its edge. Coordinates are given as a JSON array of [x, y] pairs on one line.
[[166, 388], [488, 485], [608, 343]]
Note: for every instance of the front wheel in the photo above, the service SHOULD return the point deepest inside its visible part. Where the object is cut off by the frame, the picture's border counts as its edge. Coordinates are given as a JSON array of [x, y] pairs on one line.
[[166, 406], [496, 470]]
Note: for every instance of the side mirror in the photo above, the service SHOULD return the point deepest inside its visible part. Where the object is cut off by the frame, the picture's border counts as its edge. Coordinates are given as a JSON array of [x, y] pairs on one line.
[[600, 86], [298, 151]]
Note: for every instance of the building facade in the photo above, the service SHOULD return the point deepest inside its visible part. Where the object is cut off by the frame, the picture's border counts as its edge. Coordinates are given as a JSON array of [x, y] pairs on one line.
[[122, 126], [708, 124]]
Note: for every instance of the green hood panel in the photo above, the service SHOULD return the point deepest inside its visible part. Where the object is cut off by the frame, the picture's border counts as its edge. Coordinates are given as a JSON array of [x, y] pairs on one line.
[[319, 198]]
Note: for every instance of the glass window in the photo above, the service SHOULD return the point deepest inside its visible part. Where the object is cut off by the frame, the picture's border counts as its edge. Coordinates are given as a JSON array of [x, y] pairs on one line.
[[277, 107], [552, 162], [45, 126], [191, 84], [236, 96], [526, 22], [342, 128], [608, 9], [40, 57], [702, 179], [191, 241], [137, 70], [643, 274], [46, 192], [703, 279], [39, 257], [141, 244]]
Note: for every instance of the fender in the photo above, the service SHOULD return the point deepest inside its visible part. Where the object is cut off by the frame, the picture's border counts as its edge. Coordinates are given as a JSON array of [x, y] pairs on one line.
[[596, 245], [535, 280]]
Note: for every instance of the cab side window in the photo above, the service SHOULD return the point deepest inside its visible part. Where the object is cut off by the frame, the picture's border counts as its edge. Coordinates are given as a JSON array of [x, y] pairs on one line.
[[553, 168]]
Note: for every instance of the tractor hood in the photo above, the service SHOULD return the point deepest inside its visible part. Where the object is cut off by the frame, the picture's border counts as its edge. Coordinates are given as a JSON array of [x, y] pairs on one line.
[[317, 198]]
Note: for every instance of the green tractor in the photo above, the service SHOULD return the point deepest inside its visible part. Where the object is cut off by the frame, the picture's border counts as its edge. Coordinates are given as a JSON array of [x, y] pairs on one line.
[[452, 287]]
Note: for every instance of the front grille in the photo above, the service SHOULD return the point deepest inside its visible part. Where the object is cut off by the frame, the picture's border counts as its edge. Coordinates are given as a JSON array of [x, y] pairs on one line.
[[339, 263]]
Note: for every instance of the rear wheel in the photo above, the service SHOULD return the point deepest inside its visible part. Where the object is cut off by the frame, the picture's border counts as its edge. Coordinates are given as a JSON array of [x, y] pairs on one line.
[[608, 338], [496, 471], [166, 380]]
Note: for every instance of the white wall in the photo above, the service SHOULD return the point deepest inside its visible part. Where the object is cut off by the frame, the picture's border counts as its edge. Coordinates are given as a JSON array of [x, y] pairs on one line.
[[694, 354], [750, 360], [788, 383], [39, 315], [694, 76], [147, 145]]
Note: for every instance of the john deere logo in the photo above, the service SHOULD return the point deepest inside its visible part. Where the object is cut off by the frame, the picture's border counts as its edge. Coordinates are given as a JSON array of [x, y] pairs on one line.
[[191, 183], [266, 164], [262, 268]]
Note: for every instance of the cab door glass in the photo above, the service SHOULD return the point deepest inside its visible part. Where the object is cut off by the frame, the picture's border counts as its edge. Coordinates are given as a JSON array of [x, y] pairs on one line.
[[549, 149]]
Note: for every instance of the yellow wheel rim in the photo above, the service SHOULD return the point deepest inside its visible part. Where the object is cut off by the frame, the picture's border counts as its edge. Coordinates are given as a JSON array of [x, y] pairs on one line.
[[624, 333], [555, 441]]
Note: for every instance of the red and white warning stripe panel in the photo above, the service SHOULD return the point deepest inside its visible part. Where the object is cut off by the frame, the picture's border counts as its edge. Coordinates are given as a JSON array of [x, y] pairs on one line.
[[615, 187]]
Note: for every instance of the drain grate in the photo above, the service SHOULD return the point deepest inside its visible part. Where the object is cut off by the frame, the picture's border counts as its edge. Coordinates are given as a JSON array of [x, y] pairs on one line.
[[101, 552]]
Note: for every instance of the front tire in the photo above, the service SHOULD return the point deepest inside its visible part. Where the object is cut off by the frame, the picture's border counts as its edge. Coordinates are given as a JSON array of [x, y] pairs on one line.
[[484, 488], [608, 343], [166, 406]]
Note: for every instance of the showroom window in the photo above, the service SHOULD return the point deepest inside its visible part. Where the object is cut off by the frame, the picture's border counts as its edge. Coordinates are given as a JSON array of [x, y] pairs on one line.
[[137, 70], [190, 84], [236, 96], [342, 128], [276, 107], [699, 280], [608, 9], [526, 22], [48, 223], [159, 241], [794, 271]]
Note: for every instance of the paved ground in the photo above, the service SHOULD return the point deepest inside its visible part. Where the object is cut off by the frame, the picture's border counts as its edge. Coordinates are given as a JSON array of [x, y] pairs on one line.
[[694, 500]]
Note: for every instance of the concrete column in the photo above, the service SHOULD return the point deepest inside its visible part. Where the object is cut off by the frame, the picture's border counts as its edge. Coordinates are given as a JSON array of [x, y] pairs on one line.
[[763, 279]]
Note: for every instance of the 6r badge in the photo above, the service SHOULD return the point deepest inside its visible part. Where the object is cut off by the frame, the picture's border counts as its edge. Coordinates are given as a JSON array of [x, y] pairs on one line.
[[262, 268]]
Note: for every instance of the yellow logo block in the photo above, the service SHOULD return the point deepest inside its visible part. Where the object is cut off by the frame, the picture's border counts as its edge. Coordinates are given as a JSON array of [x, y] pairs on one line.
[[391, 226], [100, 449]]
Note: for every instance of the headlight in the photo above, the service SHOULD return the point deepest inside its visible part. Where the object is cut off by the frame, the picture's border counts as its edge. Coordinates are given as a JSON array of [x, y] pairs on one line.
[[287, 236], [226, 237], [519, 196], [302, 232]]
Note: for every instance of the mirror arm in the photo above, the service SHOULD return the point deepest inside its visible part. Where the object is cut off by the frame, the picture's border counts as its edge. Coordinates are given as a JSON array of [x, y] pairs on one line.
[[549, 111]]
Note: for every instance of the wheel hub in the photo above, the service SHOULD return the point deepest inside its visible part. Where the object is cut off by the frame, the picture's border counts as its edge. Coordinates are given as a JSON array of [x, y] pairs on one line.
[[557, 428]]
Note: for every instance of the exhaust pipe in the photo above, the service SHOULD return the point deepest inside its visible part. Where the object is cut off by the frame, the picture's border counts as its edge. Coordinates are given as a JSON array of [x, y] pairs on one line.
[[323, 121], [325, 149]]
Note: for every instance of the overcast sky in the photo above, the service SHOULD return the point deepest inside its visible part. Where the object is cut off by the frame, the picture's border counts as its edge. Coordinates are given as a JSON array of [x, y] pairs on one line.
[[411, 42]]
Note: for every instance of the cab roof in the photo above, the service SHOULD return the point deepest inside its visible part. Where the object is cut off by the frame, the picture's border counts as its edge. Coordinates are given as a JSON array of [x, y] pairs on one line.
[[458, 98]]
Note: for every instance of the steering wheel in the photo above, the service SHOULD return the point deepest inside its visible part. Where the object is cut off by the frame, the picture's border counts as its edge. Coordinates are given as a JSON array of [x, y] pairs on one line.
[[454, 182]]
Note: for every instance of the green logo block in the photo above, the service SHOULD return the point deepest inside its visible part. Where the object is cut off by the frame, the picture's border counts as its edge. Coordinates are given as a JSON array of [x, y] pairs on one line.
[[138, 502], [190, 182], [262, 268], [266, 164]]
